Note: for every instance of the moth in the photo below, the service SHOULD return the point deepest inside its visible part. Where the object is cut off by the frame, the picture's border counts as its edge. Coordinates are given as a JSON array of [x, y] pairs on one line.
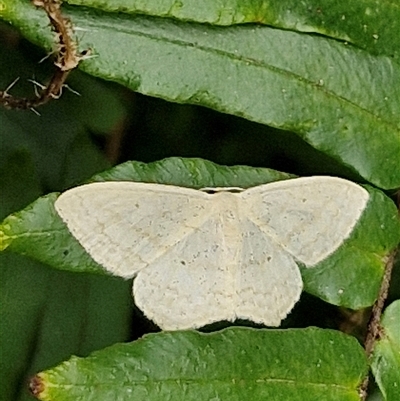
[[201, 257]]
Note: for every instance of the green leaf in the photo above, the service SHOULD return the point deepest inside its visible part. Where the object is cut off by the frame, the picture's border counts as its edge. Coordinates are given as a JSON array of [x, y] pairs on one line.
[[386, 355], [233, 364], [192, 173], [350, 277], [341, 100], [363, 23]]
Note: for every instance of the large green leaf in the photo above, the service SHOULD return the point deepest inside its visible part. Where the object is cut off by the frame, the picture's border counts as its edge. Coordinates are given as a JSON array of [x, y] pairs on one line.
[[386, 356], [341, 100], [234, 364], [350, 277], [363, 23]]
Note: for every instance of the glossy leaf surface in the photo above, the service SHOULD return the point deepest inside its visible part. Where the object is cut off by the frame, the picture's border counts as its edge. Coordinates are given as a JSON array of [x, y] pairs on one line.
[[234, 364]]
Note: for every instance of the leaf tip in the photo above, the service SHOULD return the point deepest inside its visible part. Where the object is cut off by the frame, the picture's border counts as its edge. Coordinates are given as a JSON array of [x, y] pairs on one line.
[[37, 386]]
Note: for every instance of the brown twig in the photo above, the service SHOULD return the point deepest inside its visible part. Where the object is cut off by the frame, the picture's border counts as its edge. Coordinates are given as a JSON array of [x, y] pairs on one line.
[[67, 59], [374, 328]]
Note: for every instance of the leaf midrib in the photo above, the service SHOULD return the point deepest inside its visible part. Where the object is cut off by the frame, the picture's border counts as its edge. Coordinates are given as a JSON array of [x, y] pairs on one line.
[[207, 381]]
